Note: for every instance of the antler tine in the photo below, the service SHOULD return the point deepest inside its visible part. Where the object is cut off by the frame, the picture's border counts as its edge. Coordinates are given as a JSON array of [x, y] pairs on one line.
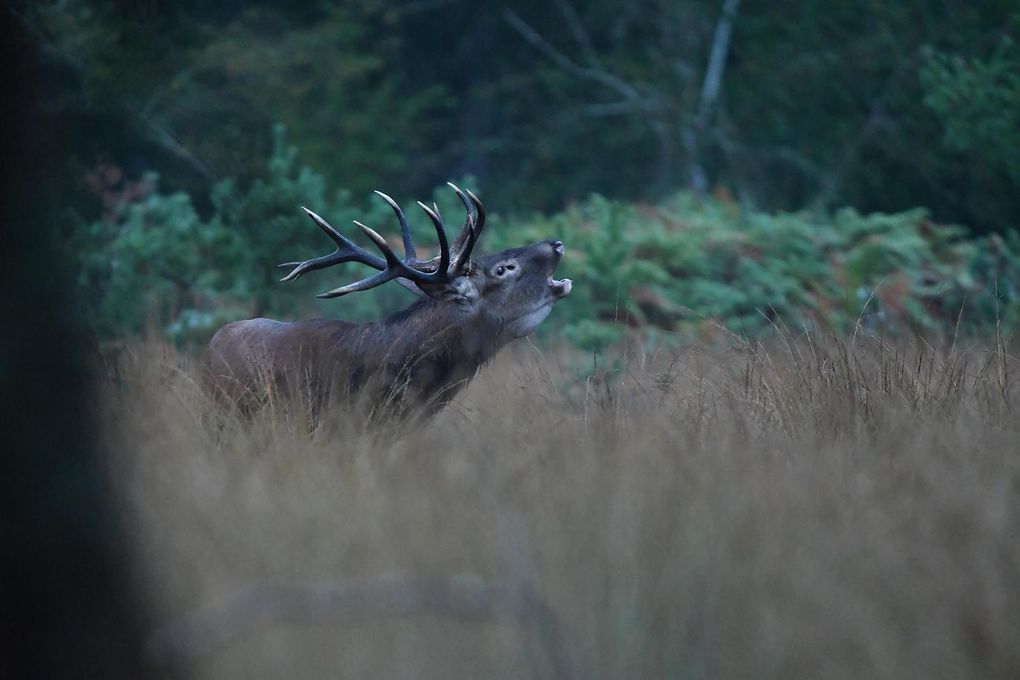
[[405, 230], [444, 246], [472, 229], [392, 261], [481, 212], [346, 251], [395, 268], [463, 199], [363, 284], [408, 271]]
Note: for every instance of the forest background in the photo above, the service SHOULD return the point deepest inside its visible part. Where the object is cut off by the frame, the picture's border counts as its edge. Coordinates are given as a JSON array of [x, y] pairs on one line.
[[710, 165]]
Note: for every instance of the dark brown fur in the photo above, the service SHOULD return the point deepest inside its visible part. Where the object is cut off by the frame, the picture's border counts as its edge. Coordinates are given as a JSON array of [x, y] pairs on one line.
[[421, 356]]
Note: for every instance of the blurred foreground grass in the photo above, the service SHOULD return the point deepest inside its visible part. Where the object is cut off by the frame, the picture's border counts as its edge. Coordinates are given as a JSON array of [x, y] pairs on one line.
[[837, 509]]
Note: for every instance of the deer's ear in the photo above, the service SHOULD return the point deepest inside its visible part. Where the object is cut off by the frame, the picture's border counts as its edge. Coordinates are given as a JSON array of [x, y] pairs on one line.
[[460, 289]]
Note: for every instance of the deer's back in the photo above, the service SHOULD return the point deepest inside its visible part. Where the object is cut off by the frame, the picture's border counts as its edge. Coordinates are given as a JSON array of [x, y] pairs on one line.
[[254, 357]]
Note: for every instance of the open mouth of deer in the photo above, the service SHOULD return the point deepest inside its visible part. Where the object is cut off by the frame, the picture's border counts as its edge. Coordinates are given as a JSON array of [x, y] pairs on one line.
[[559, 288]]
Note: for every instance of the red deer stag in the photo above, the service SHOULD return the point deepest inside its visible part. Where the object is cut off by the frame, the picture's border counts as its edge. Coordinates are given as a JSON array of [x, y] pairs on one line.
[[422, 356]]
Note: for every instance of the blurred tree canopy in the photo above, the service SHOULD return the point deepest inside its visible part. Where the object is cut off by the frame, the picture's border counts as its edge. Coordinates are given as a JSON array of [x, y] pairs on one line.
[[881, 105], [979, 103]]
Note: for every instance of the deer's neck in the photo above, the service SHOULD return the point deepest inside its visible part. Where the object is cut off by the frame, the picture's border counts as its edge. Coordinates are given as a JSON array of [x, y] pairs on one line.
[[432, 347], [431, 328]]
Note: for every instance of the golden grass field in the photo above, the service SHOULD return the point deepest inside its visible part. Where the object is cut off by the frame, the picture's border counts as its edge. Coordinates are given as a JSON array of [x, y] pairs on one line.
[[795, 509]]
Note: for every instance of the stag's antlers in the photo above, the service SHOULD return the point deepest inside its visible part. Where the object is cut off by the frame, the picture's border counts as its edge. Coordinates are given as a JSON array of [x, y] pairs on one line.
[[450, 263]]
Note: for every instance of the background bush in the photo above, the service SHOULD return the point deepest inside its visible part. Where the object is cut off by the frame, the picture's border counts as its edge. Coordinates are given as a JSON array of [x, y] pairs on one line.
[[685, 266]]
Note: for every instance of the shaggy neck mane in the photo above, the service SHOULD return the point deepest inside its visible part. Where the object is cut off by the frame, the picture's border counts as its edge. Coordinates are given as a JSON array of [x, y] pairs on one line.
[[432, 348]]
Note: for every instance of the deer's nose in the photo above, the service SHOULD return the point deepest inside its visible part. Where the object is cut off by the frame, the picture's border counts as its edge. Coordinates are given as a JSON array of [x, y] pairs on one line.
[[557, 247]]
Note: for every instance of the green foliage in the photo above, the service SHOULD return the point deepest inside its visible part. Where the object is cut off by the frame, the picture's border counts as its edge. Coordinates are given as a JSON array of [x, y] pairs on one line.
[[702, 267], [200, 85], [686, 266], [155, 261], [327, 81], [978, 102]]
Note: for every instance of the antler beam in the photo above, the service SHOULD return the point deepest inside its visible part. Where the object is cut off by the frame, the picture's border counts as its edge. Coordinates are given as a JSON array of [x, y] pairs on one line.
[[442, 269]]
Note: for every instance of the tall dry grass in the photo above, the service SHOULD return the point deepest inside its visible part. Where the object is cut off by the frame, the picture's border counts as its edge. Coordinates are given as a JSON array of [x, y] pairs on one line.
[[791, 510]]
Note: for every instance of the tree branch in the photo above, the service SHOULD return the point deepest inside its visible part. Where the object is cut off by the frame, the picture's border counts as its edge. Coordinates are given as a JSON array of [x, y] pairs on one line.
[[620, 108], [691, 134], [832, 180], [580, 34], [716, 62], [620, 86]]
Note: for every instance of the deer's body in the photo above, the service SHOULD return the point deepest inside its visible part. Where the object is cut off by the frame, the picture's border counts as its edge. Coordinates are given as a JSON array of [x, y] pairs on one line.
[[421, 356], [424, 354]]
